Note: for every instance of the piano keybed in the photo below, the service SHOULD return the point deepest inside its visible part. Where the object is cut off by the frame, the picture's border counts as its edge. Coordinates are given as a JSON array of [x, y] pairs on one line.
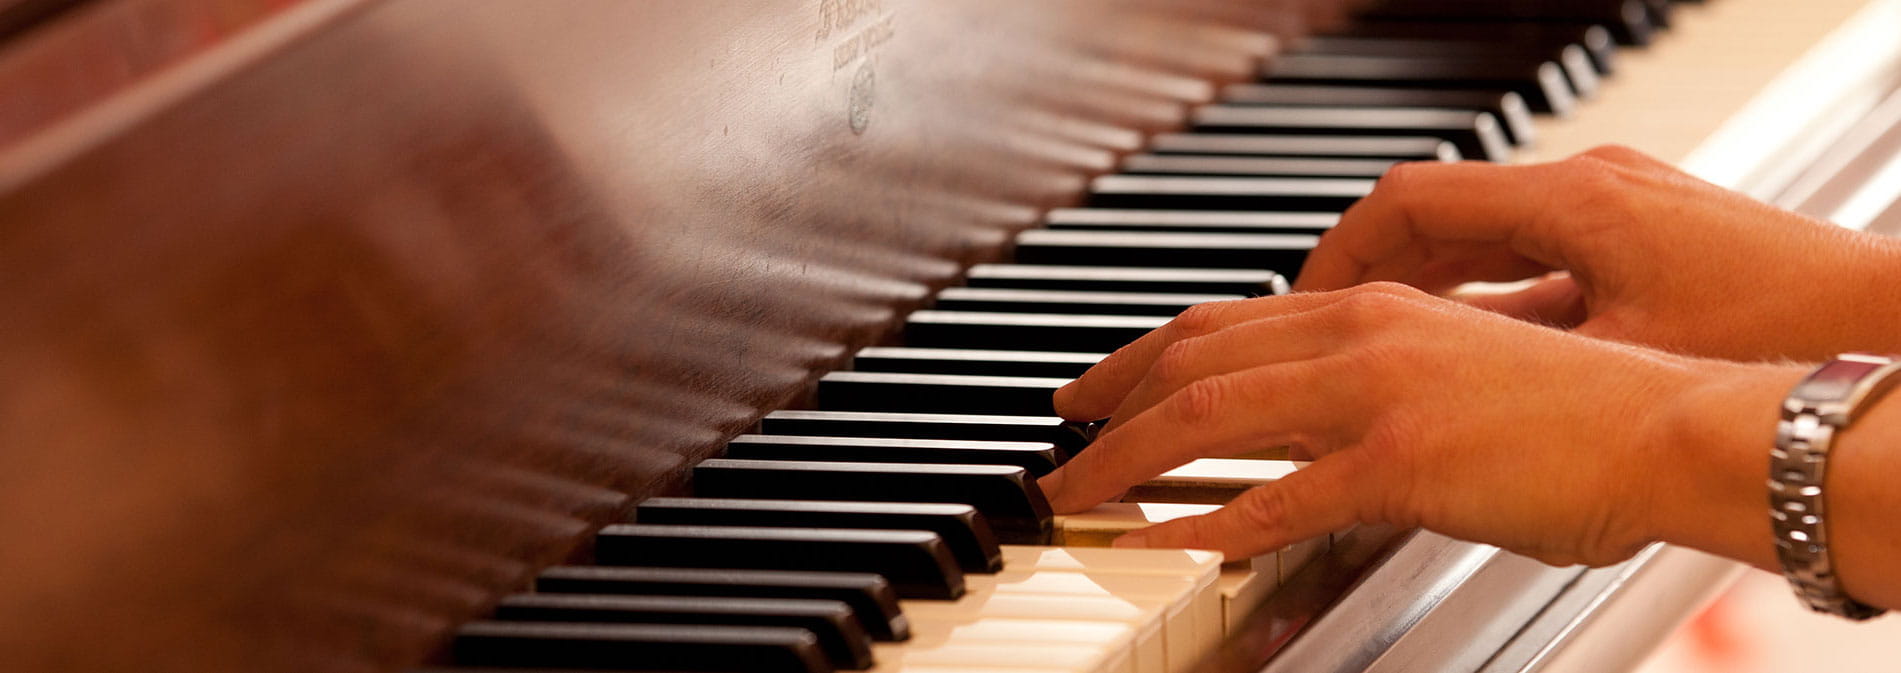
[[897, 526]]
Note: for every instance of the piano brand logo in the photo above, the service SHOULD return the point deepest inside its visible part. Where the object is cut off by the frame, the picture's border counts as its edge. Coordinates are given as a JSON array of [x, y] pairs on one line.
[[834, 16], [860, 44]]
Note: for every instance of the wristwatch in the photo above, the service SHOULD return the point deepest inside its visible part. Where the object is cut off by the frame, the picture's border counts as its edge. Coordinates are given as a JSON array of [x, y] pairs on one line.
[[1819, 408]]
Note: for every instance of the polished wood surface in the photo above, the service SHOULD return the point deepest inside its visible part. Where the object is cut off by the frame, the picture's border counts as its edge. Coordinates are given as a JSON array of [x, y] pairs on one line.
[[317, 335]]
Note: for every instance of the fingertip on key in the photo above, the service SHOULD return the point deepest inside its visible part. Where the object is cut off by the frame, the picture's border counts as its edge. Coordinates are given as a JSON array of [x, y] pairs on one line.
[[1052, 486], [1063, 397], [1131, 540]]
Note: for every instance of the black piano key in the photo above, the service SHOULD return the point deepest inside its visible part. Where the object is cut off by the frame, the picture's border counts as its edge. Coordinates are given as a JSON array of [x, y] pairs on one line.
[[1596, 40], [1577, 64], [1071, 301], [974, 362], [1508, 107], [1661, 11], [984, 427], [1028, 331], [868, 594], [1257, 282], [1478, 135], [1629, 21], [917, 563], [639, 647], [1542, 83], [1007, 496], [1191, 221], [844, 642], [1361, 147], [961, 526], [1040, 458], [893, 391], [1279, 252], [1291, 167]]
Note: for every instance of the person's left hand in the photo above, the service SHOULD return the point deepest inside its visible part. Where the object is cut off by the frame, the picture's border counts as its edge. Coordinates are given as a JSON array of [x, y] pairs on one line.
[[1418, 411]]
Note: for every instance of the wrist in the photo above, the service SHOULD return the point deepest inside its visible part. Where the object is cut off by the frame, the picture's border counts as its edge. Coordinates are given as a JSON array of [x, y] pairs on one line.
[[1858, 497], [1715, 439], [1870, 288]]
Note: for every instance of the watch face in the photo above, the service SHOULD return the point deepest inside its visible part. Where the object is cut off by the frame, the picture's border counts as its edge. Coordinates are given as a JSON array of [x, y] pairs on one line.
[[1834, 382]]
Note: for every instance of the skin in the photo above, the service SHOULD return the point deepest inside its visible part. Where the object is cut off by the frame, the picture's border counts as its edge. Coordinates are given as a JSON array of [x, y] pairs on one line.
[[1627, 397]]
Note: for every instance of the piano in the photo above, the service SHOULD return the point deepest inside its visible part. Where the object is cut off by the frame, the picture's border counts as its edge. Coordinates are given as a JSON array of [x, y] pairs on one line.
[[388, 335]]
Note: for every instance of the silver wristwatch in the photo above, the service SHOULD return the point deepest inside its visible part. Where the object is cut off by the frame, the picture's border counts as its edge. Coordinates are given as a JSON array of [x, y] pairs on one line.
[[1819, 408]]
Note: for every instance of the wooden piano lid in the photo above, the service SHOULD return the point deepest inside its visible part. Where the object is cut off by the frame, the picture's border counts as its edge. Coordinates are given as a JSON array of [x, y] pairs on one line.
[[317, 335]]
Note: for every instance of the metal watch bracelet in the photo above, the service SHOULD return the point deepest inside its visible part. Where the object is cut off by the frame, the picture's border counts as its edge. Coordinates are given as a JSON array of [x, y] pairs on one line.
[[1819, 408]]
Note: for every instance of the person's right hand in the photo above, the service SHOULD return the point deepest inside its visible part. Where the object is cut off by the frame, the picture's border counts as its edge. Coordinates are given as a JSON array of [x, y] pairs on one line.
[[1643, 253]]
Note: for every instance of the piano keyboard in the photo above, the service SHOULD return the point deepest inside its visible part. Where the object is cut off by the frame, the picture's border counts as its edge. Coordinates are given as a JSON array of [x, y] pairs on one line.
[[898, 526]]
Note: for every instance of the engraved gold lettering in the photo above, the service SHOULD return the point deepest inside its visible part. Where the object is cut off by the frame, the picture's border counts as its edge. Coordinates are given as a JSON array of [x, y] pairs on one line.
[[860, 44], [834, 16]]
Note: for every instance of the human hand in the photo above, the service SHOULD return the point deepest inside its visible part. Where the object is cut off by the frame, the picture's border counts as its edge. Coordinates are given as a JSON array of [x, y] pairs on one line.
[[1653, 255], [1418, 411]]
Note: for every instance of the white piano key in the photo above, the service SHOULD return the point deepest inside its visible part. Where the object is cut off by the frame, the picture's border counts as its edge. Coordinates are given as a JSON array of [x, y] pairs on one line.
[[1116, 640], [1186, 601], [1145, 620], [1242, 589], [1241, 585], [1220, 480], [1104, 523], [1211, 480], [1099, 527], [1201, 565], [1295, 556], [1041, 657], [1195, 562], [959, 668], [1008, 630]]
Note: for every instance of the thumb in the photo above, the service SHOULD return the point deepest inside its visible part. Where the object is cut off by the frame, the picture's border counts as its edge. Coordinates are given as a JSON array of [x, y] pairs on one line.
[[1554, 300], [1330, 494]]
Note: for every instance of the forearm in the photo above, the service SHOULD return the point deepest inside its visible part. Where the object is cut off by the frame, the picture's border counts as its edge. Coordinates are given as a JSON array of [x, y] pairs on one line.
[[1717, 453]]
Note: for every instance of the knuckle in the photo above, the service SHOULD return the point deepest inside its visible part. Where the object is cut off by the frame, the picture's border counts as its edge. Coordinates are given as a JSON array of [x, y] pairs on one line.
[[1401, 177], [1387, 288], [1198, 320], [1365, 307], [1201, 401], [1202, 531], [1615, 152], [1262, 508], [1593, 177], [1601, 198], [1176, 363]]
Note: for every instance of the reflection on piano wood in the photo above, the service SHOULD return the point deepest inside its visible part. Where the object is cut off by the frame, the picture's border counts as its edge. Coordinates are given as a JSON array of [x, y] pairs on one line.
[[334, 324]]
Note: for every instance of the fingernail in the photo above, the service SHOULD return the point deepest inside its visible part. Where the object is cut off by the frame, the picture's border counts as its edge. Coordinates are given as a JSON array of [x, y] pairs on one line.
[[1131, 540]]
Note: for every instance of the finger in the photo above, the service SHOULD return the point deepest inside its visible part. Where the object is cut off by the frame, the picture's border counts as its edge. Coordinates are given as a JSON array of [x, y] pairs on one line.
[[1299, 403], [1100, 390], [1627, 157], [1440, 266], [1303, 335], [1498, 210], [1330, 495], [1554, 300]]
